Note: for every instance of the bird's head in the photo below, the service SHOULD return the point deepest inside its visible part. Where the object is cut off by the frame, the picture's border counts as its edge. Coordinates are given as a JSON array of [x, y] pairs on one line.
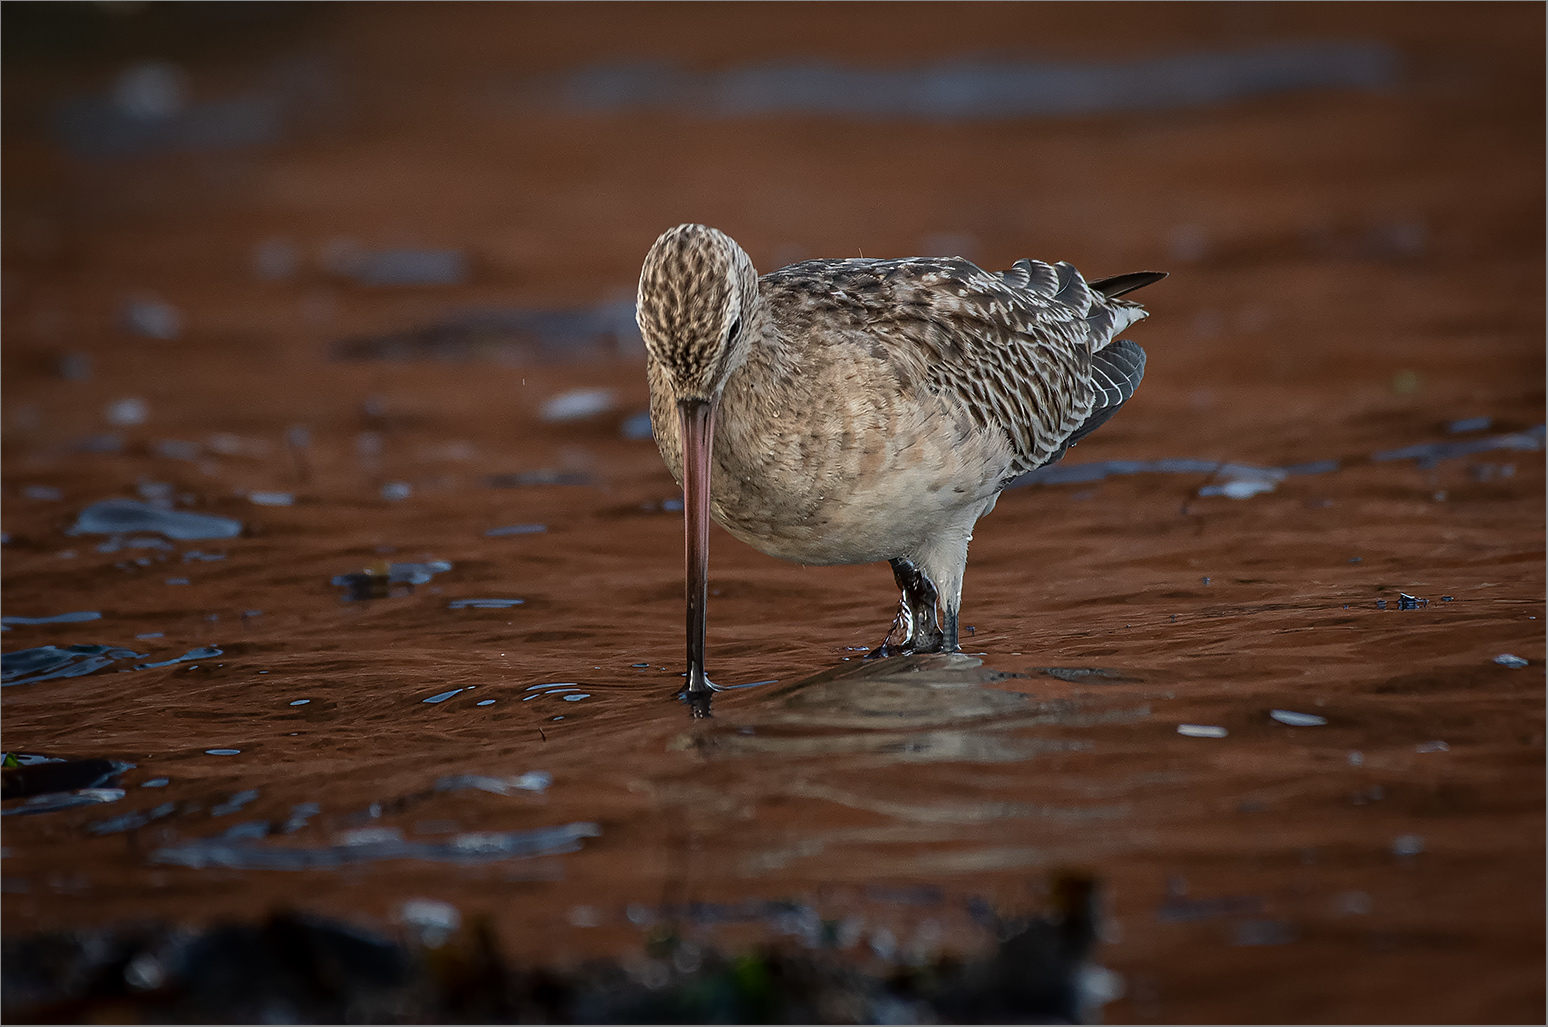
[[698, 310], [697, 302]]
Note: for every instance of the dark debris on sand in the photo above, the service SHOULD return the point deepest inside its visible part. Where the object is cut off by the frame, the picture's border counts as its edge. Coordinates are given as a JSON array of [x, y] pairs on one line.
[[298, 968]]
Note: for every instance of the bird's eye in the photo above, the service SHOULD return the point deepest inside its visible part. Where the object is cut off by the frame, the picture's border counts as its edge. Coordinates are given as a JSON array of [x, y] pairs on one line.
[[736, 329]]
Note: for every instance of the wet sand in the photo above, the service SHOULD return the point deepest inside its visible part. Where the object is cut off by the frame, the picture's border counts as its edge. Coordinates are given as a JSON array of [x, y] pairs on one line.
[[1353, 272]]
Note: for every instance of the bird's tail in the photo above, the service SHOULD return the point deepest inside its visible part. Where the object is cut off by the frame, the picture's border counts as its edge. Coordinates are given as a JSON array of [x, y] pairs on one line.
[[1110, 315], [1117, 285]]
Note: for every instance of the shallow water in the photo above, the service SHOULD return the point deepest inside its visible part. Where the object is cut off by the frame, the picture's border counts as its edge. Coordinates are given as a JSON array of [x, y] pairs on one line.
[[1190, 673]]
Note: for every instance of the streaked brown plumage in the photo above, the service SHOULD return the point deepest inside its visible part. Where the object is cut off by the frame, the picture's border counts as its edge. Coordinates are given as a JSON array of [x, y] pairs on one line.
[[862, 410]]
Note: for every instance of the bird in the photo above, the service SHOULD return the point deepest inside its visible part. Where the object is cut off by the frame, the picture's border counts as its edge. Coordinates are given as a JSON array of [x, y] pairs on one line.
[[855, 410]]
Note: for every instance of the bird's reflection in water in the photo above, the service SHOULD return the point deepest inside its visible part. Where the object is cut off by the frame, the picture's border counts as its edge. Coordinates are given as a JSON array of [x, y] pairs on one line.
[[900, 691], [850, 767], [919, 708]]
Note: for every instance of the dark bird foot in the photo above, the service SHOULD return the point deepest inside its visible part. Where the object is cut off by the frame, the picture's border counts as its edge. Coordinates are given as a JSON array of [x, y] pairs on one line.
[[914, 630], [886, 649]]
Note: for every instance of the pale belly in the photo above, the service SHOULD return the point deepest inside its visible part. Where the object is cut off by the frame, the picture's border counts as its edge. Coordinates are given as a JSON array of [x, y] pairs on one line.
[[852, 483], [866, 525]]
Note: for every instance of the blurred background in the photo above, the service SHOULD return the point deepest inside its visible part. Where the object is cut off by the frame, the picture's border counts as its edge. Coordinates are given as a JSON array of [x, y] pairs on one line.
[[360, 276], [279, 182], [266, 178]]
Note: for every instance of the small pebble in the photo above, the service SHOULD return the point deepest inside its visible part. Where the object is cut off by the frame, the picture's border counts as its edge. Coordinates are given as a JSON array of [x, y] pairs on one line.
[[1512, 661], [1201, 731], [222, 752], [1435, 746], [1407, 845], [1294, 719]]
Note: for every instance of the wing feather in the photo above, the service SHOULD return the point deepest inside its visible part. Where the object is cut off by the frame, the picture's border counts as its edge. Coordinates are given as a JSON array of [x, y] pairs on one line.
[[1021, 351]]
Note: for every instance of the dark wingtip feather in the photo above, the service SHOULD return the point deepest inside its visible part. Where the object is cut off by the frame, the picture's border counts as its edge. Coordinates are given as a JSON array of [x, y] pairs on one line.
[[1115, 373], [1117, 285]]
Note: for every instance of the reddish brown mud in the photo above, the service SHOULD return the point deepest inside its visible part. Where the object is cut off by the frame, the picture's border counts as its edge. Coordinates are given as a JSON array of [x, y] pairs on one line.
[[1352, 271]]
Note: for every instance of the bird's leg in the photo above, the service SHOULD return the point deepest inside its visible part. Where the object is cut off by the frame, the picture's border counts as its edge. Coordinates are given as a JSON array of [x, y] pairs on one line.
[[949, 642], [914, 630]]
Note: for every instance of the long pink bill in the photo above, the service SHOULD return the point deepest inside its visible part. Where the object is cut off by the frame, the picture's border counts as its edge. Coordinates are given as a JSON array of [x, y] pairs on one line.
[[698, 433]]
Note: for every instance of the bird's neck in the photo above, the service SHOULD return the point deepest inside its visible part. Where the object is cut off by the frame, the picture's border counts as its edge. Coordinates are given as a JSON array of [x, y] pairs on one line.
[[768, 359], [759, 396]]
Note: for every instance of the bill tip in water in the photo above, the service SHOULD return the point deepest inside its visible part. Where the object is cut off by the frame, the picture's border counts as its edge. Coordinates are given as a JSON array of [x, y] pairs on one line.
[[698, 693]]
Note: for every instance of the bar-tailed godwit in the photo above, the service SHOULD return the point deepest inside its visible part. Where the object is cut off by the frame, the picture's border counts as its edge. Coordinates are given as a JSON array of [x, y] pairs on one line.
[[857, 410]]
